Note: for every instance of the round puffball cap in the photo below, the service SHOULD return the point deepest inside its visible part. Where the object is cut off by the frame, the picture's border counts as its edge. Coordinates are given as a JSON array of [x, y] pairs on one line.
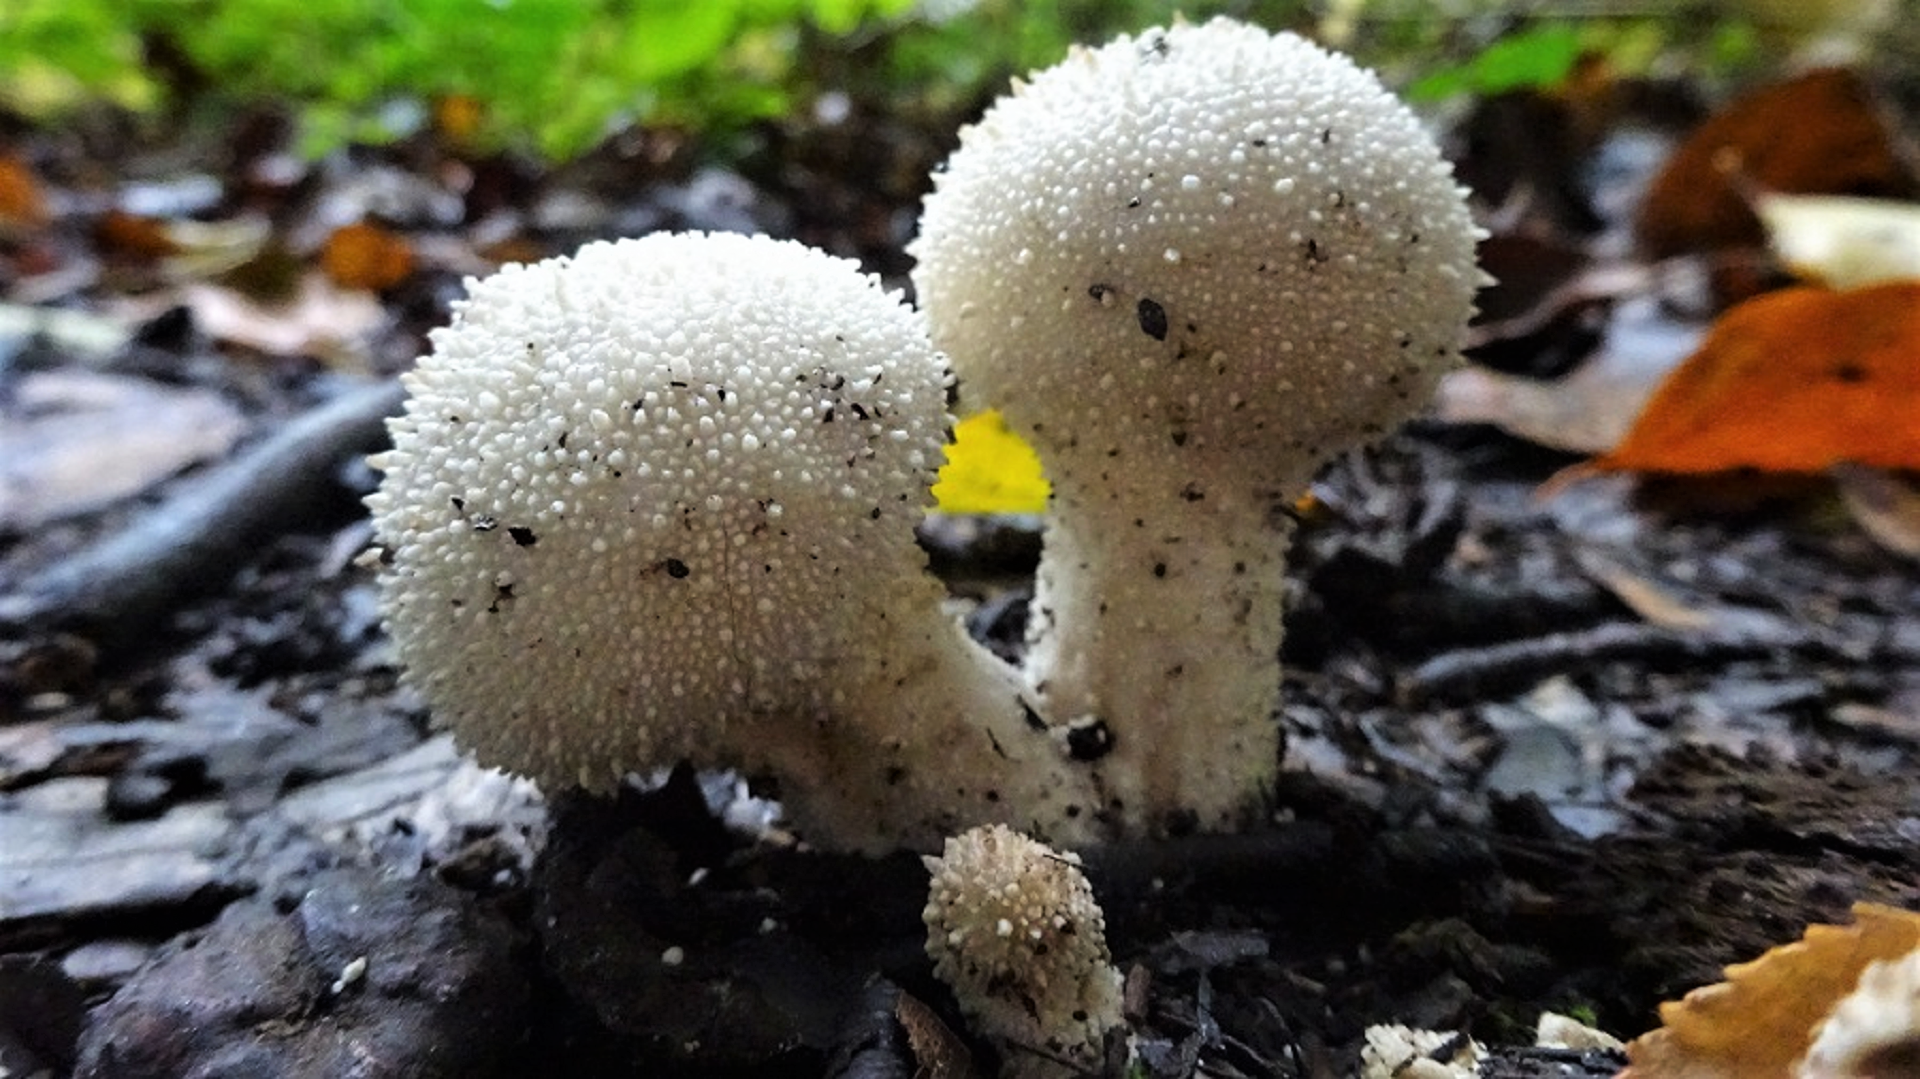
[[1013, 928], [639, 497], [1210, 239]]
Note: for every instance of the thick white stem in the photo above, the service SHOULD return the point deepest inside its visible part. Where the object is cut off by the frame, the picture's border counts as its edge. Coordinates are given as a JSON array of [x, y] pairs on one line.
[[931, 741], [1155, 634]]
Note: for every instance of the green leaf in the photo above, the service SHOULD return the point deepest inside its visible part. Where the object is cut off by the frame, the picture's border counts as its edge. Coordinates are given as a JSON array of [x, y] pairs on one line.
[[1539, 56]]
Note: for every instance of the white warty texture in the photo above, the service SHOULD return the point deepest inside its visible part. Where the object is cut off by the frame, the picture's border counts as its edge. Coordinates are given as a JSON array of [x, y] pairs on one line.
[[1013, 929], [624, 477]]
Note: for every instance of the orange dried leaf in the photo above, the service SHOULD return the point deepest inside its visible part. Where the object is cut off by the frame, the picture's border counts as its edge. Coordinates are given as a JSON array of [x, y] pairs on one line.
[[364, 255], [1820, 133], [22, 206], [458, 117], [1760, 1021], [135, 236], [1794, 381]]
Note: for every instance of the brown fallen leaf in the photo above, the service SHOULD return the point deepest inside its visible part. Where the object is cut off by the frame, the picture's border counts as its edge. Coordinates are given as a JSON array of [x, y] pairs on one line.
[[1761, 1020], [1795, 381], [1819, 133], [365, 256], [22, 205], [459, 118], [134, 236]]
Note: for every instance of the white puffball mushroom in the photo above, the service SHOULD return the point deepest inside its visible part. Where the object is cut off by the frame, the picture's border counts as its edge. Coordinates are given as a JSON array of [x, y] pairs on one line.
[[1190, 267], [1013, 929], [655, 501]]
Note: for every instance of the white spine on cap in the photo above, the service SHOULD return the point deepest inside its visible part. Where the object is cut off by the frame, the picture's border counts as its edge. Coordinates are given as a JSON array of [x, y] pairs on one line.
[[1014, 930]]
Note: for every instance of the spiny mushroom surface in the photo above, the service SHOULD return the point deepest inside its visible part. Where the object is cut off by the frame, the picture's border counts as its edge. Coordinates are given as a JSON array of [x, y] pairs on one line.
[[656, 501], [1190, 266], [1013, 929]]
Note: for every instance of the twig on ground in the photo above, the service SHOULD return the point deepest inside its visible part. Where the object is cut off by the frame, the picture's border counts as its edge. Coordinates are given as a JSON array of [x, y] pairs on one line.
[[116, 591], [1471, 673]]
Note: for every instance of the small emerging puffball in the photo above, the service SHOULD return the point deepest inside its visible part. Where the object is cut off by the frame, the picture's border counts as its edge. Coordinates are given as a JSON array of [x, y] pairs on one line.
[[1874, 1032], [1013, 929], [640, 498], [1252, 249]]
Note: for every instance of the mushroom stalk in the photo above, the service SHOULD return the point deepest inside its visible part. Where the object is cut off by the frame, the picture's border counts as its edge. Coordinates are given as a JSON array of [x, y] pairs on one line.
[[930, 742], [1156, 644]]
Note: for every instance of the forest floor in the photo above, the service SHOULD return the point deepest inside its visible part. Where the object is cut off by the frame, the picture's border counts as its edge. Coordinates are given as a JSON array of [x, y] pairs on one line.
[[1572, 751]]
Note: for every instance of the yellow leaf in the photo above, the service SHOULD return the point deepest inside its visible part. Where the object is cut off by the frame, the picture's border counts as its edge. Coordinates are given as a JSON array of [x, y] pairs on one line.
[[1843, 242], [990, 469]]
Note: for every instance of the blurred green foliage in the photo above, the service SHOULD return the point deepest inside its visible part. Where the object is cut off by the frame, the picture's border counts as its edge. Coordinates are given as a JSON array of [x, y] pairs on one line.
[[559, 75], [1535, 56], [556, 75]]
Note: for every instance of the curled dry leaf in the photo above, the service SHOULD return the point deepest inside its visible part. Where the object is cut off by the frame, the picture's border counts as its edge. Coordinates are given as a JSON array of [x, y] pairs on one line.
[[321, 319], [1763, 1018], [1795, 381], [938, 1052], [1820, 133], [1590, 409]]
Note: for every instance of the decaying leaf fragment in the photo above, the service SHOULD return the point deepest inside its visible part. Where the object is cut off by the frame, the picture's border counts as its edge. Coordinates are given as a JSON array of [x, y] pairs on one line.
[[1399, 1052], [1843, 242], [1794, 381], [1761, 1021], [1819, 133], [1885, 504]]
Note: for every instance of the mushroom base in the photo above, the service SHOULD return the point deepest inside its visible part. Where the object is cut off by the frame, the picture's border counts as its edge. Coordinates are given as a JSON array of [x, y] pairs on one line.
[[931, 742], [1155, 652]]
